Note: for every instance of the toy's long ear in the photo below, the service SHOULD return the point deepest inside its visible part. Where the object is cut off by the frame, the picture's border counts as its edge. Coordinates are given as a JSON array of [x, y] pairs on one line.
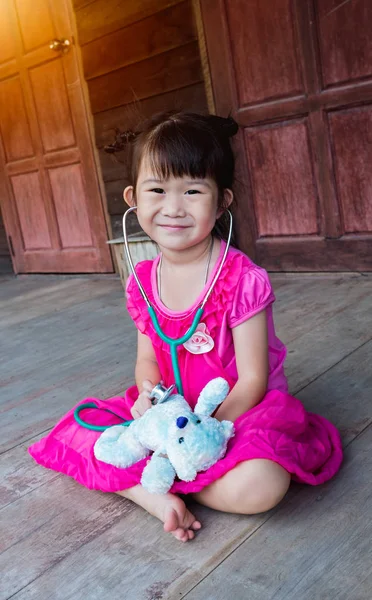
[[211, 396]]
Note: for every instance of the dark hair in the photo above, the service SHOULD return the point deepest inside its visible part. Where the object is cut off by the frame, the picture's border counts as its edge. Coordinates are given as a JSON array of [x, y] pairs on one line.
[[181, 143]]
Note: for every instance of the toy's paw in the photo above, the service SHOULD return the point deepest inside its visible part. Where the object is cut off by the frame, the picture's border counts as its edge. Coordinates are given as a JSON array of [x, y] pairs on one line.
[[228, 429], [158, 475], [118, 446]]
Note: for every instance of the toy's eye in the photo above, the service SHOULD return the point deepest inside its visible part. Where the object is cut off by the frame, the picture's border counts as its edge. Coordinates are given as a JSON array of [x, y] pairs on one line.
[[198, 421], [181, 440]]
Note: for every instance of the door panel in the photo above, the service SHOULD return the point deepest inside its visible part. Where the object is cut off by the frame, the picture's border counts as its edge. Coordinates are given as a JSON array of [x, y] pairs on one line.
[[297, 76], [351, 132], [50, 98], [274, 74], [71, 206], [49, 188], [15, 128], [345, 40], [31, 212], [283, 182]]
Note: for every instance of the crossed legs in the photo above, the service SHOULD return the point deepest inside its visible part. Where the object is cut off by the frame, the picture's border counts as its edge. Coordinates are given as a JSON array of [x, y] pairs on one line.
[[252, 487]]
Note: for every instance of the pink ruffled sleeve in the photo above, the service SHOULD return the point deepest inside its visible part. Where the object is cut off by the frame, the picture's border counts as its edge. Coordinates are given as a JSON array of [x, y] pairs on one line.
[[135, 304], [253, 294]]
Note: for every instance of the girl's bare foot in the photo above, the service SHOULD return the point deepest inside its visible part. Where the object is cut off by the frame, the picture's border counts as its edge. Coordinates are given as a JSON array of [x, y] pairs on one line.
[[178, 520], [170, 509]]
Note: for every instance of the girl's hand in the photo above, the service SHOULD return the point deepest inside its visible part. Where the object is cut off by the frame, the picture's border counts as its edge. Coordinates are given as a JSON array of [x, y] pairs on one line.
[[143, 402]]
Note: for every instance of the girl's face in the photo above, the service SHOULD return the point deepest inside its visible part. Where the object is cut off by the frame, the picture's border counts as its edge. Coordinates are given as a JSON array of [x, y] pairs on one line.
[[177, 213]]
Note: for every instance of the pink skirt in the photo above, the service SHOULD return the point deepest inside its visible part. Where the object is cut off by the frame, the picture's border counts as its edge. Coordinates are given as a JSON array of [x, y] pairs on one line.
[[279, 429]]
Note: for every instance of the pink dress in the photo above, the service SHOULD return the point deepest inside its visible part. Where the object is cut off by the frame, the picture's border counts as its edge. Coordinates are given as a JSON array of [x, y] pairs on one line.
[[278, 428]]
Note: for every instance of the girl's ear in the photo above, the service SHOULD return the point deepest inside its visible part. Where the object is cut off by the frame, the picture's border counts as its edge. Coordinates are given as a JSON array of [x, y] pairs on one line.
[[228, 197], [128, 196]]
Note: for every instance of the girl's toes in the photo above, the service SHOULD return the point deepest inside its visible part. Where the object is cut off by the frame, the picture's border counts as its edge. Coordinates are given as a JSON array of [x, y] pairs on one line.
[[171, 521], [180, 534]]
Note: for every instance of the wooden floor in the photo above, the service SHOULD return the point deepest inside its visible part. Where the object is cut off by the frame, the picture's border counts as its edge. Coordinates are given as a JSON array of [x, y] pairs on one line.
[[64, 338]]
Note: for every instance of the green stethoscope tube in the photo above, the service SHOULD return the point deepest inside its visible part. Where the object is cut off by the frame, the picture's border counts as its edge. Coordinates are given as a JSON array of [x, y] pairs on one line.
[[90, 426], [173, 343]]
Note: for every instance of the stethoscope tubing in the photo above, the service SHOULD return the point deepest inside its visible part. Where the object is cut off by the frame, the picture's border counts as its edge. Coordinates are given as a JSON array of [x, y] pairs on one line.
[[174, 343], [128, 255]]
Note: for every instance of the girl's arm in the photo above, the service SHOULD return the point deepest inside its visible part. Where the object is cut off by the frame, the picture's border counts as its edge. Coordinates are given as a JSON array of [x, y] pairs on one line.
[[147, 375], [146, 365], [252, 361]]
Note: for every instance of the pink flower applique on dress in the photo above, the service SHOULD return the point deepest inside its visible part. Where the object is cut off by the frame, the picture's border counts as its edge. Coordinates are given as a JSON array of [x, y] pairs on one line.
[[200, 341]]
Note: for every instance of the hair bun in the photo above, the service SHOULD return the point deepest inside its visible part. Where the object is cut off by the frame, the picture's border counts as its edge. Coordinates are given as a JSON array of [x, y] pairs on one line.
[[225, 125]]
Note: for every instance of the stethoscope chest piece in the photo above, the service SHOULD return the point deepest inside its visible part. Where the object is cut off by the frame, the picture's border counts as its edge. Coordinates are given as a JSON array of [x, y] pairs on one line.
[[161, 394]]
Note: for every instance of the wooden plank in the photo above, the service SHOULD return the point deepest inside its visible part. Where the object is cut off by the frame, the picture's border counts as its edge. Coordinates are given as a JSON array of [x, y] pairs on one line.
[[114, 195], [36, 410], [114, 166], [315, 253], [166, 30], [46, 300], [102, 17], [81, 3], [76, 339], [19, 285], [67, 332], [19, 476], [343, 394], [117, 225], [5, 266], [306, 301], [117, 543], [318, 545], [62, 517], [330, 397], [317, 351], [131, 116], [86, 361], [132, 558], [162, 73]]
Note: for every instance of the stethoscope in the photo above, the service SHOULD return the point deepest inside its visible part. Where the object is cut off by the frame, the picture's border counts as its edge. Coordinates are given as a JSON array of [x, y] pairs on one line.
[[159, 393]]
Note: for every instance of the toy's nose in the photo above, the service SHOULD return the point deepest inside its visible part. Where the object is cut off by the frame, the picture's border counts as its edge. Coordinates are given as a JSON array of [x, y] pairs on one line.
[[182, 422]]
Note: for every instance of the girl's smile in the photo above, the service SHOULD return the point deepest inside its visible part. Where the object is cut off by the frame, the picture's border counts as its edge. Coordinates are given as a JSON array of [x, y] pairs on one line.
[[178, 213], [173, 228]]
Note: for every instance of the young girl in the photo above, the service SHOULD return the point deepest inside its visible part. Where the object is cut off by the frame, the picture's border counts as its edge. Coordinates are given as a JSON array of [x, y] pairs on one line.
[[182, 181]]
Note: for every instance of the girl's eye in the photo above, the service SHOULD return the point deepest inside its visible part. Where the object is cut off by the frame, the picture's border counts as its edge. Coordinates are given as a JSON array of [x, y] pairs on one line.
[[191, 192], [157, 190]]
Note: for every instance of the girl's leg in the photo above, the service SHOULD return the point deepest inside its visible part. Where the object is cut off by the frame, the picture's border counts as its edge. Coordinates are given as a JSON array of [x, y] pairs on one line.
[[168, 508], [253, 486]]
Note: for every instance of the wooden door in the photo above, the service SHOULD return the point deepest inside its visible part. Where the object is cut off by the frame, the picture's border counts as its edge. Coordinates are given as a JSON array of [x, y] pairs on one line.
[[297, 76], [49, 191]]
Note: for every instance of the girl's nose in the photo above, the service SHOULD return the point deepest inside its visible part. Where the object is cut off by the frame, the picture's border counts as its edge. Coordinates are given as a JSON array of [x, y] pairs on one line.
[[174, 206]]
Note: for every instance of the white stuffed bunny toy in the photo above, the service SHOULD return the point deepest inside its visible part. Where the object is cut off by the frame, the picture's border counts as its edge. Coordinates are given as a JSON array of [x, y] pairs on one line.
[[183, 442]]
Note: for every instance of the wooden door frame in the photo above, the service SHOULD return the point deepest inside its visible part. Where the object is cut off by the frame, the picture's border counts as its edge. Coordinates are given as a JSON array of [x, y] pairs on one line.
[[224, 102], [90, 121]]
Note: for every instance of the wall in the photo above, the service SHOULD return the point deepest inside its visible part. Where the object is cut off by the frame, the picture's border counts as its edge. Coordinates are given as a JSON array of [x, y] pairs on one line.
[[139, 58], [5, 260]]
